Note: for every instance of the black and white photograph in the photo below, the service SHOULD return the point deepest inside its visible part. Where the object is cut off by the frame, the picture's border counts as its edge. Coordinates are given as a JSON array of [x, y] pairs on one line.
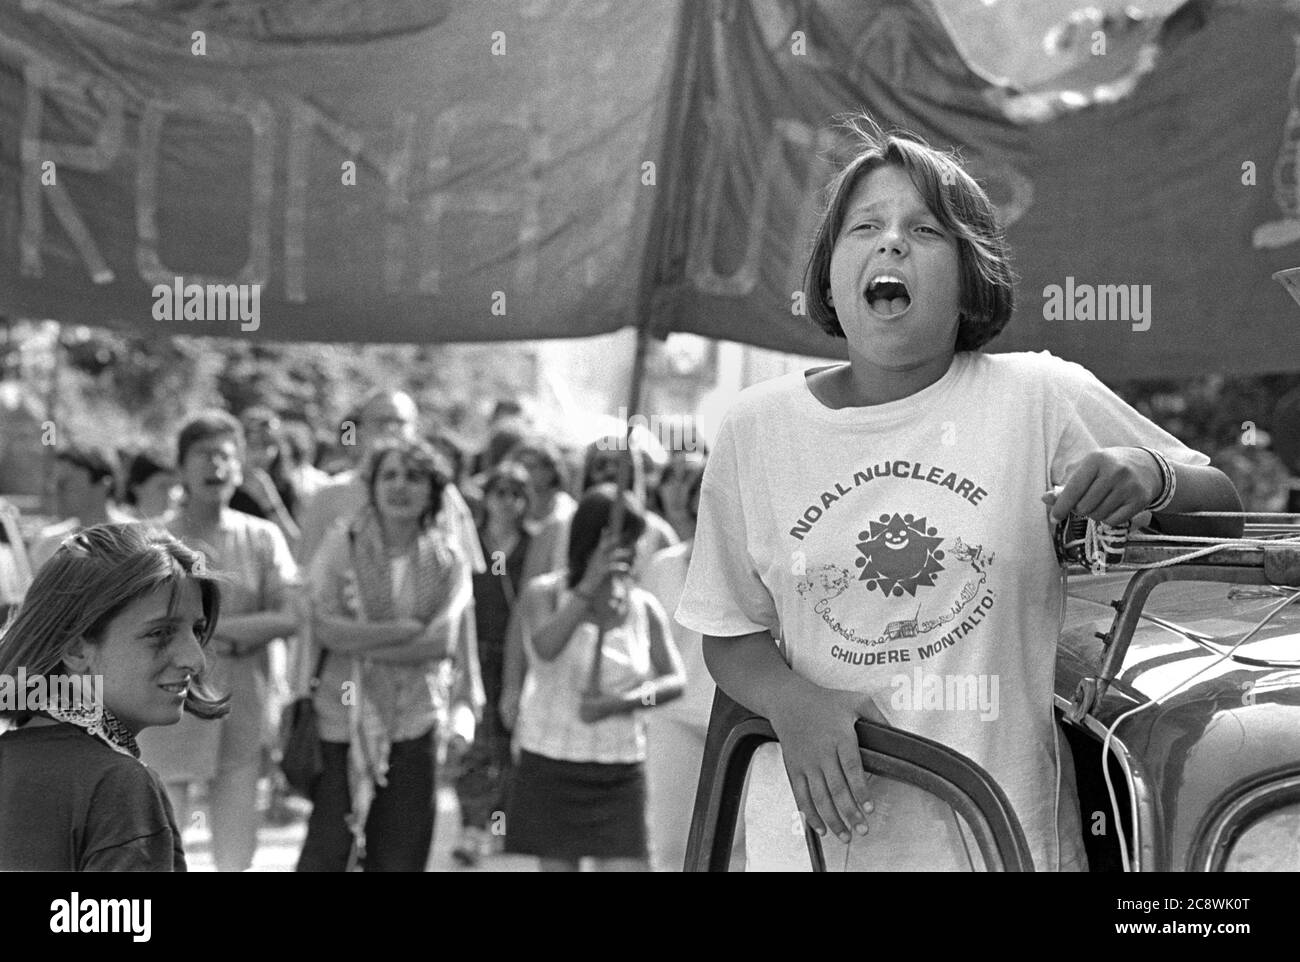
[[649, 436]]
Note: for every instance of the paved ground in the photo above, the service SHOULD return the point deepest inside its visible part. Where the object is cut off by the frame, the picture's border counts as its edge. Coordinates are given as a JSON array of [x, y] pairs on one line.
[[278, 845]]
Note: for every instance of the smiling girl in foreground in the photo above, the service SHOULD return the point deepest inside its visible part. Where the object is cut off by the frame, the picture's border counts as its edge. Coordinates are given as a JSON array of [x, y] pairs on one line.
[[884, 519], [122, 604]]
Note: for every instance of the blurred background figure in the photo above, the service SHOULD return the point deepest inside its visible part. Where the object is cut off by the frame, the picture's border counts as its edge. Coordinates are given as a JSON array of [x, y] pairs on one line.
[[85, 485], [669, 499], [601, 465], [579, 786], [267, 491], [550, 505], [675, 734], [385, 415], [259, 576], [485, 768], [388, 590], [304, 476], [15, 568], [152, 488]]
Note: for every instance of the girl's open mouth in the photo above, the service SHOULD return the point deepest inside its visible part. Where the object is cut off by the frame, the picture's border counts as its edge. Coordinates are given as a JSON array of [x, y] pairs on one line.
[[888, 296]]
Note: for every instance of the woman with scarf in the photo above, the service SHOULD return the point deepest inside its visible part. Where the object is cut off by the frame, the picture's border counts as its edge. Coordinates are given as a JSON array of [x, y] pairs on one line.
[[387, 592], [111, 640]]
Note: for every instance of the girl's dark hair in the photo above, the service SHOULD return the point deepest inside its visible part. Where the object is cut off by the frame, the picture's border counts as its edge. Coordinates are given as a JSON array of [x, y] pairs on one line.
[[548, 455], [89, 581], [299, 442], [415, 454], [101, 463], [693, 493], [957, 201], [693, 473], [690, 469], [591, 519], [143, 466], [505, 437], [507, 472], [209, 424]]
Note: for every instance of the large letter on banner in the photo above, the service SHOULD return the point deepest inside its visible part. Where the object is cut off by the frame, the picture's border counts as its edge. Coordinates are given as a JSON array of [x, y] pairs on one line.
[[41, 77], [261, 120]]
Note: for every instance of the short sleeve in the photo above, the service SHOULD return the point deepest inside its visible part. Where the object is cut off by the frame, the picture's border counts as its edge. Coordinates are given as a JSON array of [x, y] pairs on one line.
[[327, 573], [457, 523], [1086, 416], [129, 827], [279, 570], [724, 594], [538, 603], [453, 568]]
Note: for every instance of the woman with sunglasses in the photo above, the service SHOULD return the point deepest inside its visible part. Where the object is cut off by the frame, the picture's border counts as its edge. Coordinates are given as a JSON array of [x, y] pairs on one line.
[[485, 768]]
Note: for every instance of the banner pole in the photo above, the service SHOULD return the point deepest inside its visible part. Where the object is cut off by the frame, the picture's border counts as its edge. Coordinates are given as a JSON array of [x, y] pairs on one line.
[[51, 417], [631, 477]]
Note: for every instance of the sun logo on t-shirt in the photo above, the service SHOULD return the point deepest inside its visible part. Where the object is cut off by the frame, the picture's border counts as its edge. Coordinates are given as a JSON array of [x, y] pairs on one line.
[[899, 554]]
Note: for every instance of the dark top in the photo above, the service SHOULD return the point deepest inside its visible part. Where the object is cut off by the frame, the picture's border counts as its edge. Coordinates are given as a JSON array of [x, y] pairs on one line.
[[492, 605], [69, 803], [243, 500]]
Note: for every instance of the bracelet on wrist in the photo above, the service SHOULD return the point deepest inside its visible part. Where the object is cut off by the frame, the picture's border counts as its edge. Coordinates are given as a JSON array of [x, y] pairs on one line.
[[1169, 482]]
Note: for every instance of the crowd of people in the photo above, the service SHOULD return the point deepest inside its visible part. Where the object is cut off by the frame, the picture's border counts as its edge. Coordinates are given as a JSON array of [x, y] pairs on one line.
[[442, 607], [848, 512]]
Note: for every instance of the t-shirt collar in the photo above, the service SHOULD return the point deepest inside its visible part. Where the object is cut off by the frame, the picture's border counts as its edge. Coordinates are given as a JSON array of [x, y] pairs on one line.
[[913, 405]]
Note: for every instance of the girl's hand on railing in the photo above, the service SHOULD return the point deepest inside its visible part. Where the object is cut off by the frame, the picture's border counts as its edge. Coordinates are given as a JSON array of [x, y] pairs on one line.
[[815, 727]]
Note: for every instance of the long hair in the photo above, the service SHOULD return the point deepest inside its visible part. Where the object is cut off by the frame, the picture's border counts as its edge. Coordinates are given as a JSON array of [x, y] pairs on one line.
[[88, 582]]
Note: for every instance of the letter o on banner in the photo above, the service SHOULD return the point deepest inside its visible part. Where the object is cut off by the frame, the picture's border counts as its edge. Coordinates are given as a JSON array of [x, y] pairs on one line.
[[259, 116]]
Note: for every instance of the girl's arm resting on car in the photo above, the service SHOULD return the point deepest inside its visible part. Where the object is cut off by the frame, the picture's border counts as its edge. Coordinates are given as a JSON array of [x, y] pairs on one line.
[[814, 725], [1201, 488]]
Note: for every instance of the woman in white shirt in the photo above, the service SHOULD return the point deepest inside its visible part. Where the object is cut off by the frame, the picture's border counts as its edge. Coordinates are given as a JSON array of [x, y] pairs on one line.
[[579, 788]]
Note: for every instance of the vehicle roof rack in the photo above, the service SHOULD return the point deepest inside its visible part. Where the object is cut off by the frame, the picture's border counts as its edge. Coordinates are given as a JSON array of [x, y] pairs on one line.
[[1267, 554]]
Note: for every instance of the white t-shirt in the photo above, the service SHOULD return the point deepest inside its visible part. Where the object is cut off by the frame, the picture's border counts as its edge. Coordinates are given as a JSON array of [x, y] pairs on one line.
[[902, 550], [549, 722]]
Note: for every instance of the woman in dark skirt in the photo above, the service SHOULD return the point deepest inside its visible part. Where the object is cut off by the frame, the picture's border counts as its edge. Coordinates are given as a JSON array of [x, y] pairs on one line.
[[579, 788], [485, 770]]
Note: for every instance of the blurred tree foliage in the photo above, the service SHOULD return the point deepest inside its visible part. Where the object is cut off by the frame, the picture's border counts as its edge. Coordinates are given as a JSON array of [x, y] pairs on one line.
[[131, 391], [1228, 418]]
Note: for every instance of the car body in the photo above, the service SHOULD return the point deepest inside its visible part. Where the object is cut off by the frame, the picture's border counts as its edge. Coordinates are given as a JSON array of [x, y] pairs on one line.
[[1214, 766], [1206, 776]]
